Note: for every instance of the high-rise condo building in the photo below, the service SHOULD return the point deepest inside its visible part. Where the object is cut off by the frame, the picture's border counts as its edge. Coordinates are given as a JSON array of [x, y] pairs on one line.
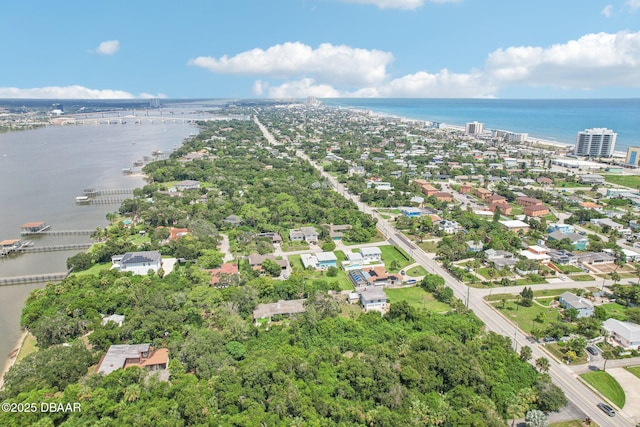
[[596, 142], [474, 128], [633, 156]]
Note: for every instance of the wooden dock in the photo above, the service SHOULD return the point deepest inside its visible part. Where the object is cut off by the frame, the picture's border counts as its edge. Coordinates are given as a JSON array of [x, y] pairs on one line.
[[52, 248], [34, 278], [61, 233], [93, 192]]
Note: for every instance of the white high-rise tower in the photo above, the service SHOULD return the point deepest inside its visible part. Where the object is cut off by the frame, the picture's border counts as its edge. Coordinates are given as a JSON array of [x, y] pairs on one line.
[[596, 142]]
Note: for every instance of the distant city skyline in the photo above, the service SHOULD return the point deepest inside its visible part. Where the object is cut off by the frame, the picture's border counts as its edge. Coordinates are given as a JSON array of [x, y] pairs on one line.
[[323, 48]]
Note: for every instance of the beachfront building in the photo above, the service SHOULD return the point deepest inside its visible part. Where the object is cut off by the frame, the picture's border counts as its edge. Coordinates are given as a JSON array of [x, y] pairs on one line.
[[595, 142], [633, 156], [474, 128]]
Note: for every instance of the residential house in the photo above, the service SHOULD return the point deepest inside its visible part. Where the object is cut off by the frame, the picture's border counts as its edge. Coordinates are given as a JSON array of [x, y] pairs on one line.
[[583, 305], [563, 228], [595, 258], [601, 222], [536, 253], [373, 299], [187, 185], [536, 210], [370, 254], [138, 263], [590, 205], [443, 196], [319, 261], [233, 220], [500, 259], [562, 257], [578, 241], [411, 212], [123, 356], [174, 234], [282, 307], [474, 246], [496, 198], [544, 181], [429, 190], [449, 227], [514, 225], [256, 260], [224, 270], [118, 319], [307, 234], [625, 334], [273, 236], [465, 188], [336, 232]]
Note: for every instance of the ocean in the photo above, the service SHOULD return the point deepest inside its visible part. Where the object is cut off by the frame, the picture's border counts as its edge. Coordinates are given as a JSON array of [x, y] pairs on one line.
[[556, 120]]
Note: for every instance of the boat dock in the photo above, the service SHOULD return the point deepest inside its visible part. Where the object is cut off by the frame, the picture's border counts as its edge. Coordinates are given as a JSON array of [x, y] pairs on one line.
[[34, 278], [52, 248], [63, 233]]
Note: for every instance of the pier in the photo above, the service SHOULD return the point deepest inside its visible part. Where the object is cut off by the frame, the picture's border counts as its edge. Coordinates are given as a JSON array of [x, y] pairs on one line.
[[101, 201], [93, 192], [52, 248], [64, 233], [34, 278]]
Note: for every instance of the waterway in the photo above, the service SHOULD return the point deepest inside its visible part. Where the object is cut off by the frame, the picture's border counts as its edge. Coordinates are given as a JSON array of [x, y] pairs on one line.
[[42, 172]]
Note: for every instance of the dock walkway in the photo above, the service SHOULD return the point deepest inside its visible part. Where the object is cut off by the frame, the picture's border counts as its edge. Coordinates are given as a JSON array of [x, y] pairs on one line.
[[34, 278]]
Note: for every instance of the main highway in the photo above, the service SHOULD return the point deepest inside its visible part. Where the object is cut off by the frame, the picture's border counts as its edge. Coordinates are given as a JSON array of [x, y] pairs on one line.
[[577, 392]]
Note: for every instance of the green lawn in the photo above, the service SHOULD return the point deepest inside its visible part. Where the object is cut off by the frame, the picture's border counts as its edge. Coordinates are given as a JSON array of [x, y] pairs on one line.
[[631, 181], [94, 270], [582, 278], [416, 297], [527, 281], [524, 316], [416, 271], [556, 350], [635, 370], [29, 345], [572, 423], [429, 246], [394, 253], [566, 269], [377, 238], [615, 310], [606, 385]]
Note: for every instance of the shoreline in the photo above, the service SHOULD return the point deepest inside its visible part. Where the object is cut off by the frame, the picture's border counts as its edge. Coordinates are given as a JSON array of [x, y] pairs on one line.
[[530, 139], [13, 356]]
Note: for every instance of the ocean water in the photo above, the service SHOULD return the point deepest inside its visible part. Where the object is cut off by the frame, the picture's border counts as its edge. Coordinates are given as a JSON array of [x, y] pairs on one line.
[[556, 120]]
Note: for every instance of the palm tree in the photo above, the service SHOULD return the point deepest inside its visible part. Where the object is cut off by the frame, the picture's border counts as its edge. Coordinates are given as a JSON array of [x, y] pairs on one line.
[[542, 363]]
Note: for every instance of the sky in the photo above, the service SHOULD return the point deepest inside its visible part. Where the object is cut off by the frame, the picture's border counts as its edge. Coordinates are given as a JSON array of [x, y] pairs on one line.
[[325, 48]]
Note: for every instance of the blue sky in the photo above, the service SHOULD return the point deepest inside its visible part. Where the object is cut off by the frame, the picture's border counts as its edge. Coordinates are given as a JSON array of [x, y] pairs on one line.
[[324, 48]]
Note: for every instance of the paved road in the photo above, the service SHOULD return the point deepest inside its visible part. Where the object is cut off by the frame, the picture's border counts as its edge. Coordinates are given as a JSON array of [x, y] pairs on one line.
[[581, 396]]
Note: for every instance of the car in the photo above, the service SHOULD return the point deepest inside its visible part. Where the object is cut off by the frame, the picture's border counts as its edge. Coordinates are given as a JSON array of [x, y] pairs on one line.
[[582, 233], [592, 350], [403, 272], [411, 281], [607, 409], [548, 339]]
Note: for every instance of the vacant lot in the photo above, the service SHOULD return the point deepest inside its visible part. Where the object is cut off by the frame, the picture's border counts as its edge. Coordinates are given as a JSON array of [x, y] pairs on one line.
[[631, 181], [416, 297]]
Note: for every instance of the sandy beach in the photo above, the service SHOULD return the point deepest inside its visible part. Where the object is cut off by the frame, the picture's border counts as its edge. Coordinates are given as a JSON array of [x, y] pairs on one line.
[[12, 357]]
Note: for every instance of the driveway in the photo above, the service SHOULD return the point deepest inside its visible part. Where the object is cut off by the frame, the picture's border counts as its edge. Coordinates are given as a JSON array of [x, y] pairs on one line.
[[631, 386], [225, 248]]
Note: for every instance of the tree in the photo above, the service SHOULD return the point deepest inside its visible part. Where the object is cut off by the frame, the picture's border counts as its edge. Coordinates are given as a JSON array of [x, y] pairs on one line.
[[526, 297], [536, 418], [431, 281], [525, 353], [271, 267], [79, 262], [542, 363]]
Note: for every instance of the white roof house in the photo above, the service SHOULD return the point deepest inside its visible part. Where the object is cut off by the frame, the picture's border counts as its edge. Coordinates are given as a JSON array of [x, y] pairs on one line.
[[627, 334], [139, 263], [371, 253]]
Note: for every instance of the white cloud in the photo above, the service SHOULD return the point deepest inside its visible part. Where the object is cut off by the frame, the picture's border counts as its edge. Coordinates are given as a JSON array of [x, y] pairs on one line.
[[70, 92], [333, 64], [633, 5], [607, 10], [399, 4], [592, 61], [108, 47], [295, 70]]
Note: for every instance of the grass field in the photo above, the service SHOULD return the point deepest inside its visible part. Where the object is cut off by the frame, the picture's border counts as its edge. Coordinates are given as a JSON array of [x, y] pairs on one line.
[[29, 345], [607, 386], [635, 370], [524, 316], [615, 310], [429, 246], [566, 269], [416, 271], [416, 297], [94, 270], [582, 278], [572, 423], [393, 253], [631, 181], [555, 349]]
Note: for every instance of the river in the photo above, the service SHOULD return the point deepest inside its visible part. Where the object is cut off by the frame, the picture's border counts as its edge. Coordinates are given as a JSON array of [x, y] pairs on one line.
[[43, 170]]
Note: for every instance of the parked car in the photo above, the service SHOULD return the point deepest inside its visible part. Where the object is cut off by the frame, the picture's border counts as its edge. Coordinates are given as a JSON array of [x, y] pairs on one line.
[[607, 409], [592, 350], [548, 339], [411, 281]]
